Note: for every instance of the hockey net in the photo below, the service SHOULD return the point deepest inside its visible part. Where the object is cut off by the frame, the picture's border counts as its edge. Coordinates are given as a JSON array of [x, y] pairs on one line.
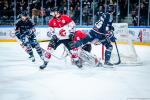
[[127, 52]]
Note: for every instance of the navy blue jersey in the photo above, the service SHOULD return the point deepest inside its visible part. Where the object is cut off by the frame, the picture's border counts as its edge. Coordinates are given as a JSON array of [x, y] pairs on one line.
[[104, 21], [24, 25]]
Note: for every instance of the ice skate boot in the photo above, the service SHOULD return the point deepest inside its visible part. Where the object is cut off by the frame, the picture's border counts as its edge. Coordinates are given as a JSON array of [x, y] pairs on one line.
[[78, 63], [44, 65], [32, 58], [107, 63]]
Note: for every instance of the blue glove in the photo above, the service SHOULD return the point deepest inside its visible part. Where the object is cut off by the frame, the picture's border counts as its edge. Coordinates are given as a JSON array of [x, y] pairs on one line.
[[111, 28], [30, 33], [18, 35], [112, 38]]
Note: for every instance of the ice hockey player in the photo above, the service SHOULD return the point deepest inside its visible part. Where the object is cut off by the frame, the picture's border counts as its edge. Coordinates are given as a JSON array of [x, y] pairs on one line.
[[25, 33], [99, 32], [61, 28], [85, 51]]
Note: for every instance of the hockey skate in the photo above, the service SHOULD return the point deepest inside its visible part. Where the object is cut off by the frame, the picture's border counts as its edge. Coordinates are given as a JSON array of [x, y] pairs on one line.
[[108, 63], [78, 63], [99, 64], [44, 65], [32, 58]]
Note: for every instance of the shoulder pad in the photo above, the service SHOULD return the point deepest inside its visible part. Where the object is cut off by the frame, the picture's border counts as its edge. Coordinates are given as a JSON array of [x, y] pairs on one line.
[[31, 21], [17, 21]]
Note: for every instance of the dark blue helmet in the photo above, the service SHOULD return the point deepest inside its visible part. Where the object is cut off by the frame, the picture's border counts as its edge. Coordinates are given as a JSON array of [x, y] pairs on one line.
[[110, 8], [24, 14], [58, 9], [54, 9]]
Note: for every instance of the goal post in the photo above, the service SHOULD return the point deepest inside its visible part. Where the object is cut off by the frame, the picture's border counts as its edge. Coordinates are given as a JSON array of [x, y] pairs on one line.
[[125, 45]]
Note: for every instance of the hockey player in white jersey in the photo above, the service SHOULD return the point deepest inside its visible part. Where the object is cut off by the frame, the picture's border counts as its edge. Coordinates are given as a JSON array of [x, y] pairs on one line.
[[61, 28]]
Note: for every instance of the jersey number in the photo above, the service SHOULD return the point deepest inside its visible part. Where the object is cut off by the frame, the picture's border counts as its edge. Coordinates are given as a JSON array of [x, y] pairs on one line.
[[99, 24]]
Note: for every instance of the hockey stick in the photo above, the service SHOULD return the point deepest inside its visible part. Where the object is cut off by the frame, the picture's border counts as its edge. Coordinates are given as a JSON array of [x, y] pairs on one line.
[[62, 57], [118, 54], [43, 40]]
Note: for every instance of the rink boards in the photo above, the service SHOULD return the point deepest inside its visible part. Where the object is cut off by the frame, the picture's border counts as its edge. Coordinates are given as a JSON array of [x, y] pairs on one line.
[[139, 35]]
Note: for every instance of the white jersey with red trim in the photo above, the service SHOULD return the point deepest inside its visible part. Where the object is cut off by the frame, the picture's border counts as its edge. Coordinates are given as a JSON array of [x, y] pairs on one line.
[[61, 27]]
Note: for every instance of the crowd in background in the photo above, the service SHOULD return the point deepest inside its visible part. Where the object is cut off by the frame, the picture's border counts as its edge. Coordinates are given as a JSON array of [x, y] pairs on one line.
[[39, 10]]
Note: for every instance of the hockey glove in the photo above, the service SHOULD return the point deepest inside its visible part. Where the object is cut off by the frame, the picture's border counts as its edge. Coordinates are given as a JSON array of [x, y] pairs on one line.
[[54, 38], [112, 38], [71, 45], [30, 34], [71, 36], [53, 41], [111, 28], [18, 35]]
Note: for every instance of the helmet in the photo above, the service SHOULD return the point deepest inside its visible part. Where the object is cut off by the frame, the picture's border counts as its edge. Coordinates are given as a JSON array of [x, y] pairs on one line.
[[101, 13], [54, 9], [24, 14], [59, 10], [110, 8]]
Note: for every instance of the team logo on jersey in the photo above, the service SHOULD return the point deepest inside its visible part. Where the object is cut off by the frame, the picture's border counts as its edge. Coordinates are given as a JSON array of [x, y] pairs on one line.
[[62, 32], [54, 24], [63, 21]]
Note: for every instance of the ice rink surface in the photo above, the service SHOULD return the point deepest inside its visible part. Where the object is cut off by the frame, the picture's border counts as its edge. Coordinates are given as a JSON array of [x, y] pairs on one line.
[[20, 79]]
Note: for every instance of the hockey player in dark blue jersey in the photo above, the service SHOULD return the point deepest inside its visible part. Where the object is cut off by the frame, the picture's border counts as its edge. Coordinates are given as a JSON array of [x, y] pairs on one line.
[[99, 31], [25, 33]]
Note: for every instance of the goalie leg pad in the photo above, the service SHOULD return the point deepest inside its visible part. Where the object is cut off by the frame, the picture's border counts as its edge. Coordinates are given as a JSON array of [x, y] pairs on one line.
[[89, 58], [75, 57]]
